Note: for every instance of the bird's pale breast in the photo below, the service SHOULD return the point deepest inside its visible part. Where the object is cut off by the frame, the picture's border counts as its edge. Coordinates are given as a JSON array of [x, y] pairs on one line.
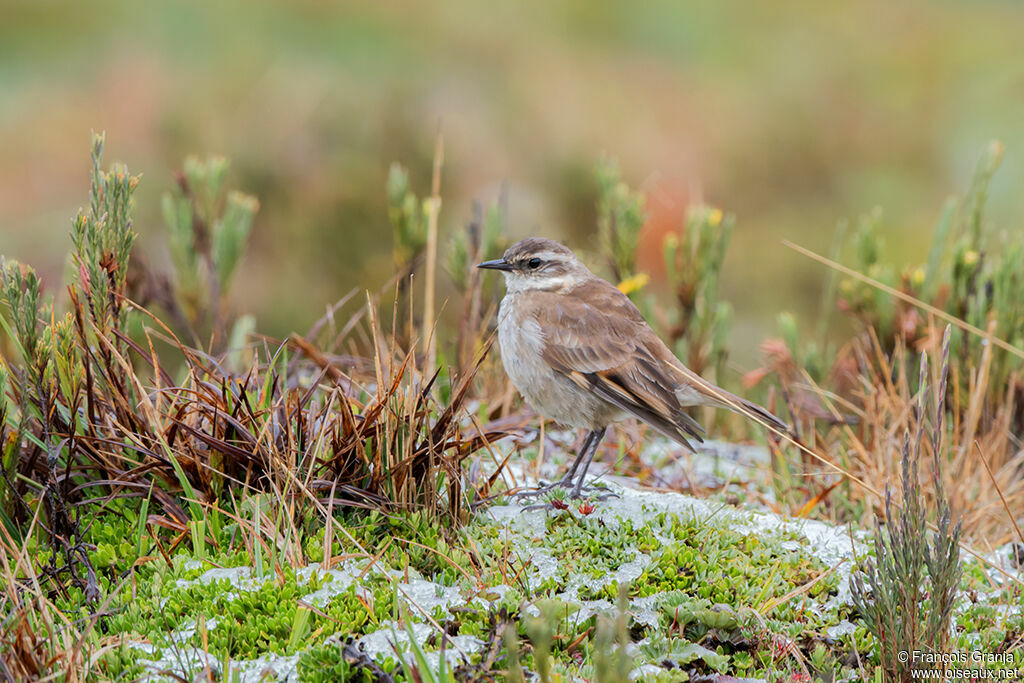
[[552, 395]]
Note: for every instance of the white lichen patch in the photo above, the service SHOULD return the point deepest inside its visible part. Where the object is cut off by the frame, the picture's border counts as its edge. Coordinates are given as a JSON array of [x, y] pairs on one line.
[[841, 629], [392, 635], [427, 596], [714, 463], [336, 581], [240, 578], [176, 660], [1003, 564], [270, 667], [645, 610]]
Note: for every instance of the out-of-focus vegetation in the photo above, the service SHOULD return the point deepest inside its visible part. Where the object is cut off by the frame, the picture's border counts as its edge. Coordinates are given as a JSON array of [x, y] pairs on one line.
[[261, 453], [100, 400], [792, 114], [141, 394]]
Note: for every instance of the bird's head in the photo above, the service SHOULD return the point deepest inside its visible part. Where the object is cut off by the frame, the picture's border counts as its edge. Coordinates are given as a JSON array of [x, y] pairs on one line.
[[538, 263]]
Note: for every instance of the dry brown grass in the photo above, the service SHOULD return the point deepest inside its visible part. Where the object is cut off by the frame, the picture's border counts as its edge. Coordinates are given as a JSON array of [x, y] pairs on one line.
[[859, 431], [307, 431]]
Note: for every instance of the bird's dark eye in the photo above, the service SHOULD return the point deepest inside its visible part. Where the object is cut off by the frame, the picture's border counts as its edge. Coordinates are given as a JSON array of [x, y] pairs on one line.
[[533, 263]]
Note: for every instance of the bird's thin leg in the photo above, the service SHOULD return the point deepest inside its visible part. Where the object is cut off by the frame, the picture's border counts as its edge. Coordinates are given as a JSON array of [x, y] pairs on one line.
[[592, 445], [567, 479]]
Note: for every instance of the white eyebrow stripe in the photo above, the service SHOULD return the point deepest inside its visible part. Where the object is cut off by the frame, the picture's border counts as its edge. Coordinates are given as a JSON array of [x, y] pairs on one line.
[[549, 255]]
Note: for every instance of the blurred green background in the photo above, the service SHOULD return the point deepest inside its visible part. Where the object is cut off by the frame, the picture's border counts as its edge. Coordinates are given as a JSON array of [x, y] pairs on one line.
[[794, 115]]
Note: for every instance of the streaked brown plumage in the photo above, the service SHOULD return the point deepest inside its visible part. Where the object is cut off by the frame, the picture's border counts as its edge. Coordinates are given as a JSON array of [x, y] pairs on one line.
[[582, 354]]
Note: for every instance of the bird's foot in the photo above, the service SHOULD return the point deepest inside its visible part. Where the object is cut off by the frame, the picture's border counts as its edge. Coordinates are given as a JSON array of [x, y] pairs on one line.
[[561, 491], [594, 491], [583, 500], [541, 489]]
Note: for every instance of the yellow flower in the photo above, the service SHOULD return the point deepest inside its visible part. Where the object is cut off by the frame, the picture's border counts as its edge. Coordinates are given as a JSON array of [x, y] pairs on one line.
[[970, 257], [634, 283], [715, 217], [917, 277], [995, 152]]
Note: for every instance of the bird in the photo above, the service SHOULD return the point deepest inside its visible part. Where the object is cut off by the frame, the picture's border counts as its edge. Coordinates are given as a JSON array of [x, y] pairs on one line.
[[581, 354]]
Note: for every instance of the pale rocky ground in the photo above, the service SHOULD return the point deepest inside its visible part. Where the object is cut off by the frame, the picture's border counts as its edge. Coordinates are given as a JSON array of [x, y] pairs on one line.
[[525, 528]]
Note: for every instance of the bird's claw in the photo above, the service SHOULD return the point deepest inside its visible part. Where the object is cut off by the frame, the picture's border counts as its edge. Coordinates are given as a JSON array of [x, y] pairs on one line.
[[604, 495], [540, 490], [592, 492], [538, 506], [597, 492]]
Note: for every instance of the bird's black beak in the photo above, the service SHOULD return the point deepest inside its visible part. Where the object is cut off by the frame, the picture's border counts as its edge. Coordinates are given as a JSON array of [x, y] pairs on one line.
[[496, 264]]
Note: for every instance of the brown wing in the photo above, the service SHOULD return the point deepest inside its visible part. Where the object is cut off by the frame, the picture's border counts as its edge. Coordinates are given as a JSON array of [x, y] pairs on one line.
[[695, 390], [597, 338]]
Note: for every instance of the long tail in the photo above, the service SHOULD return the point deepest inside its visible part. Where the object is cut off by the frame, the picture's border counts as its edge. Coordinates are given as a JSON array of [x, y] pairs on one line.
[[692, 389], [706, 393], [724, 399]]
